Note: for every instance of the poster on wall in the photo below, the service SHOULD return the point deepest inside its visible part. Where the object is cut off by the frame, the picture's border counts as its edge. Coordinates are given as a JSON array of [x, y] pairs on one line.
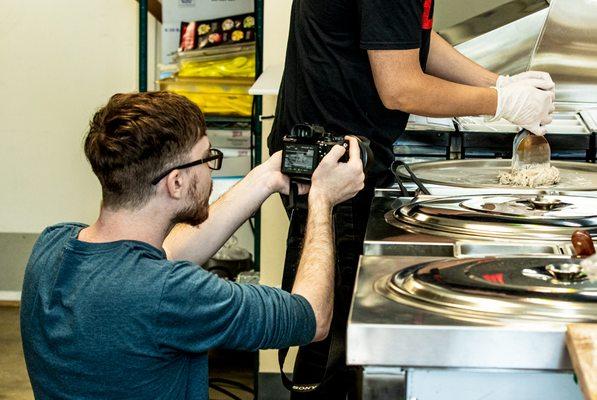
[[174, 12], [197, 35]]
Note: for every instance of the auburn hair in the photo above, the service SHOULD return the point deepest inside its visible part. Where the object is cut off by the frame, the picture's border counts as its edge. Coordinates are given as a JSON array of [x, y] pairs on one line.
[[135, 137]]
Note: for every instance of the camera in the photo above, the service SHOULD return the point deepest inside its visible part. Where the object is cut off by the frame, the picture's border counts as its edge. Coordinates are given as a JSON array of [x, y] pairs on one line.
[[306, 145]]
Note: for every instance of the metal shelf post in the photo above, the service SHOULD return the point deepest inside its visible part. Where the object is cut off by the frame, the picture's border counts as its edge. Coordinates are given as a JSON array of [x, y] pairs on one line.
[[143, 45]]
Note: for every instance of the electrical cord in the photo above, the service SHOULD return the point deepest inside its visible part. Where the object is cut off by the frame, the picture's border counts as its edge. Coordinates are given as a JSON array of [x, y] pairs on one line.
[[413, 177], [224, 391], [237, 385], [394, 169]]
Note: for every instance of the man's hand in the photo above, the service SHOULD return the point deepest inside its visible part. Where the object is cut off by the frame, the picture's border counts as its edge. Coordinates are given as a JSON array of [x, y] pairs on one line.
[[538, 79], [276, 181], [334, 182], [525, 105]]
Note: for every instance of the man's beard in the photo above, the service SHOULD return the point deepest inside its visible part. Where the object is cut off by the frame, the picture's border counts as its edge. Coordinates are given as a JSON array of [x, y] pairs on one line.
[[198, 211]]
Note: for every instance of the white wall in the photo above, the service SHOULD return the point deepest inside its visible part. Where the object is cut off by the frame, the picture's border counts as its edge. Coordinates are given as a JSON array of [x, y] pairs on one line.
[[61, 60], [274, 220]]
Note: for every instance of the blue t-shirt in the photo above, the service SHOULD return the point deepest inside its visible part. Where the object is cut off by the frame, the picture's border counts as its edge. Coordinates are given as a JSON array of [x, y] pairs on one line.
[[119, 321]]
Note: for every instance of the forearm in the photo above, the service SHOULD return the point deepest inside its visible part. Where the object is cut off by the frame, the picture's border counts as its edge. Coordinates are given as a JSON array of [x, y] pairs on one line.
[[435, 97], [402, 85], [226, 215], [315, 275], [447, 63]]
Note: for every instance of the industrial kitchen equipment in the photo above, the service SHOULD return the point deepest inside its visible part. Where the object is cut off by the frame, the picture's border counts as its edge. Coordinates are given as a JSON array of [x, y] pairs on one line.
[[492, 328], [468, 295]]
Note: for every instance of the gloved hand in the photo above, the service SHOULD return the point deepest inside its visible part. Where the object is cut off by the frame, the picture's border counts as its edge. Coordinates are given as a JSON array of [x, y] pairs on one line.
[[589, 266], [541, 80], [526, 106]]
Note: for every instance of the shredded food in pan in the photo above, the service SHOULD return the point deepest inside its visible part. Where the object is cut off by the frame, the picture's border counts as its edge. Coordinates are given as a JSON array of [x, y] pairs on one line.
[[532, 176]]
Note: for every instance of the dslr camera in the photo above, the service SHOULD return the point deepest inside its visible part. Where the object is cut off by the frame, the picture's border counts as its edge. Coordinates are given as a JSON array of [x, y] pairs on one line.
[[306, 145]]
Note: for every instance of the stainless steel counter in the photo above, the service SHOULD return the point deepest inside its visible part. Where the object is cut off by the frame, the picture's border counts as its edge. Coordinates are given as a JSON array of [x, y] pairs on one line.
[[410, 352], [382, 332]]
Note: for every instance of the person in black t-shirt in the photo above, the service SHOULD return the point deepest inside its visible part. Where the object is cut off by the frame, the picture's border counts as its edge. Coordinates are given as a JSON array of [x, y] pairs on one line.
[[361, 67]]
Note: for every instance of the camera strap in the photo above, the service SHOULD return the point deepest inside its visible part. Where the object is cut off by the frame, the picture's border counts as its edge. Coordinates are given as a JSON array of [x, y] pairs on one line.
[[310, 387], [297, 212], [293, 197]]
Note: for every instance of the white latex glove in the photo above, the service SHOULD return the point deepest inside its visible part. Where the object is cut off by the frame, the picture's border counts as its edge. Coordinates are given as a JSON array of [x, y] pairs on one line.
[[541, 80], [589, 266], [526, 106]]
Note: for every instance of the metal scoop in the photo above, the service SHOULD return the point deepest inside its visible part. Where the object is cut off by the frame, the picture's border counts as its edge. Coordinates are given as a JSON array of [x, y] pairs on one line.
[[530, 149]]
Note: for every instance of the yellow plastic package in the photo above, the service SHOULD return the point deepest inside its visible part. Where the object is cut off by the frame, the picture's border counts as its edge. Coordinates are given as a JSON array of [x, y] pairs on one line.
[[214, 96], [239, 66]]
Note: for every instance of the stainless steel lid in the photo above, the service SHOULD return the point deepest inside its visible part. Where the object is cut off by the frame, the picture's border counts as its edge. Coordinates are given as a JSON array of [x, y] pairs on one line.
[[528, 217], [574, 176], [492, 290]]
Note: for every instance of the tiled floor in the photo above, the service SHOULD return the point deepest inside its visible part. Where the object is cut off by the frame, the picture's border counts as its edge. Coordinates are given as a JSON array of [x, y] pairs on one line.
[[14, 381]]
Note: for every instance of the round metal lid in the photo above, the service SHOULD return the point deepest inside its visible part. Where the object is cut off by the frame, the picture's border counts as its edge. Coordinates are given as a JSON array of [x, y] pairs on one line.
[[574, 176], [516, 217], [498, 290], [530, 207]]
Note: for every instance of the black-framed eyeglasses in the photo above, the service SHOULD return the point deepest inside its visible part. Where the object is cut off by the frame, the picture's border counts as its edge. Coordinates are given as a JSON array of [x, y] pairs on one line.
[[214, 162]]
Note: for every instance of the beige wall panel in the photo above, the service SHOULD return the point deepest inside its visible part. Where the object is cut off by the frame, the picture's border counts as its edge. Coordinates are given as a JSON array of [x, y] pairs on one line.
[[273, 217], [62, 59]]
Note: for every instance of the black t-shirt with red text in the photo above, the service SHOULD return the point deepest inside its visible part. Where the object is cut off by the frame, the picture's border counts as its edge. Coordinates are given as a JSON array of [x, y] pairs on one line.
[[327, 76]]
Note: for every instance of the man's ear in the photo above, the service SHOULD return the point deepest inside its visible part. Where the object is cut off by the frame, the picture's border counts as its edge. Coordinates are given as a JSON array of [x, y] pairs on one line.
[[174, 184]]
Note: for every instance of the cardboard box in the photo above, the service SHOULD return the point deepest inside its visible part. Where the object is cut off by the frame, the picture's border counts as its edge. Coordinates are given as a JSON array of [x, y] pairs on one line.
[[230, 138], [220, 186], [234, 167]]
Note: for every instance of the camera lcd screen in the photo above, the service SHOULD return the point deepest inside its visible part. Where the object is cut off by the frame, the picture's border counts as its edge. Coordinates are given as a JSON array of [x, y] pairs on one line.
[[299, 158]]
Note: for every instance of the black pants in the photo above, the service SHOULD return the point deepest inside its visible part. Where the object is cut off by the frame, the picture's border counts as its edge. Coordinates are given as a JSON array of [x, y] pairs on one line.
[[350, 223]]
